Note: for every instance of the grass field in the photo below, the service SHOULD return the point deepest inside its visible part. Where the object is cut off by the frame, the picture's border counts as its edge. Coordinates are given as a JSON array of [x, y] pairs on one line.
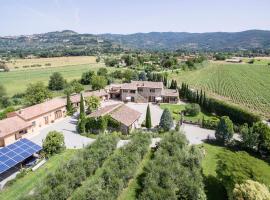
[[243, 84], [25, 184], [19, 64], [16, 81], [214, 188]]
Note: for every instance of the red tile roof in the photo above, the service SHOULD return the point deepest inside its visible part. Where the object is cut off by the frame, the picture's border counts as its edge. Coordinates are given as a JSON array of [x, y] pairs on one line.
[[170, 93], [12, 125], [119, 112], [42, 108], [105, 110], [146, 84], [125, 115]]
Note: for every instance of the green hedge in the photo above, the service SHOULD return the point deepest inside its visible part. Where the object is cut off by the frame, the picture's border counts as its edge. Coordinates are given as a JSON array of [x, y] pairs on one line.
[[60, 184], [116, 172]]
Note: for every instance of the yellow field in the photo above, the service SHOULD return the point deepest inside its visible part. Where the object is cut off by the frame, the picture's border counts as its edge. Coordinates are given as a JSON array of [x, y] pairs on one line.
[[18, 64]]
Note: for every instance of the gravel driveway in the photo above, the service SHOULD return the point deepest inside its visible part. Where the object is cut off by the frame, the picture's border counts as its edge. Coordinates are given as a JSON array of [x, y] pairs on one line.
[[197, 135], [67, 126]]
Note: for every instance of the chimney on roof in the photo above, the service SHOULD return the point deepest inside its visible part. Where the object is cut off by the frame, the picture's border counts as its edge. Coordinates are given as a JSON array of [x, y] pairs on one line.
[[20, 111]]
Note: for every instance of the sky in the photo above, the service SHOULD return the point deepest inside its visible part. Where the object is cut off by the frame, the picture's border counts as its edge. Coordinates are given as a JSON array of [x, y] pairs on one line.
[[22, 17]]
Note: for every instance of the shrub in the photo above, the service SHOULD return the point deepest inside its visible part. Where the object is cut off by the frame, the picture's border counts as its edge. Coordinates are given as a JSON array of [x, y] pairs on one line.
[[193, 109], [250, 190], [54, 143], [56, 81], [224, 131], [210, 123]]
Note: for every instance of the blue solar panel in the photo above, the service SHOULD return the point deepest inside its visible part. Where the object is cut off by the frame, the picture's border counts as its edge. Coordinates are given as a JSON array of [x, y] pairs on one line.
[[15, 153]]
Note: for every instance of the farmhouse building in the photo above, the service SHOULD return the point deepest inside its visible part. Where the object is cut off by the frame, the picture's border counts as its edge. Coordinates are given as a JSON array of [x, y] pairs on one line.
[[143, 92], [127, 117]]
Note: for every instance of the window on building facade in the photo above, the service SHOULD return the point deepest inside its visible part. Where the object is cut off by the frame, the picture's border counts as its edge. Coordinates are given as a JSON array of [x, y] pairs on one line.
[[133, 91], [152, 90], [140, 89]]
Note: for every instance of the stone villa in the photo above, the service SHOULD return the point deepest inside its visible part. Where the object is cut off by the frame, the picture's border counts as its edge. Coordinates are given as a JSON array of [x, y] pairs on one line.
[[143, 92]]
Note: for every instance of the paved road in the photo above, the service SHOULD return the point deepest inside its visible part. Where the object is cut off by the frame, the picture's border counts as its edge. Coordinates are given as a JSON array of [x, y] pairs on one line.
[[67, 126]]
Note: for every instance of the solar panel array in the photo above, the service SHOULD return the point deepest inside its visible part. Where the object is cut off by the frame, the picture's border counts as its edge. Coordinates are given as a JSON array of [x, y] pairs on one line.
[[17, 152]]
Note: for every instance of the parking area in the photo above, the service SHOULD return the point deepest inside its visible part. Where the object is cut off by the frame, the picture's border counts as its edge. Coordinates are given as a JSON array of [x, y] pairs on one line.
[[67, 126], [197, 135]]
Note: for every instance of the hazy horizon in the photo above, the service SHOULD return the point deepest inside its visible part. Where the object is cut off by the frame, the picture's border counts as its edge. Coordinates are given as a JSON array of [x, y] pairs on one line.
[[25, 17]]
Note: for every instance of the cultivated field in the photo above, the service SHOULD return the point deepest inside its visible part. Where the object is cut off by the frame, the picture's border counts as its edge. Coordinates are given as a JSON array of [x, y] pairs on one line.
[[16, 81], [244, 84], [19, 64]]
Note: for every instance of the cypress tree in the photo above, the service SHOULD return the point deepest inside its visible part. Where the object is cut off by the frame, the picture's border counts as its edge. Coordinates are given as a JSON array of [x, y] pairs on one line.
[[82, 111], [70, 109], [148, 122], [197, 97], [166, 120], [201, 98]]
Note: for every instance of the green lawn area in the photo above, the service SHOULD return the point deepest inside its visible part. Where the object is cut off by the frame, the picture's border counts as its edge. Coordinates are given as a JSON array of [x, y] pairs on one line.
[[175, 109], [25, 184], [213, 187], [129, 193], [258, 61], [17, 81]]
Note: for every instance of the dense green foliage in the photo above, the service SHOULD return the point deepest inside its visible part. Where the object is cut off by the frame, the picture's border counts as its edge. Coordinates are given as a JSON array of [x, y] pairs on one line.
[[224, 131], [54, 143], [70, 175], [256, 138], [87, 77], [56, 81], [251, 190], [36, 93], [70, 109], [148, 121], [192, 109], [174, 172], [116, 172], [4, 113], [93, 103], [82, 109], [235, 168], [98, 82], [166, 120]]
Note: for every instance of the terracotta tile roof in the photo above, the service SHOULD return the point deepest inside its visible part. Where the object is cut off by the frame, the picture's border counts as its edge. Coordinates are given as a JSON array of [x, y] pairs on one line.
[[146, 84], [170, 93], [40, 109], [105, 110], [12, 125], [119, 112], [125, 115]]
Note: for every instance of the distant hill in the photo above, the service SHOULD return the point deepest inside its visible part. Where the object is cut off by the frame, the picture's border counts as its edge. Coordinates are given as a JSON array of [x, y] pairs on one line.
[[68, 42], [56, 43], [246, 40]]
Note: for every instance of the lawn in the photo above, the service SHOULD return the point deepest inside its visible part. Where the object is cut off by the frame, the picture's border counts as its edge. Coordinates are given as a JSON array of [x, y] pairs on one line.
[[16, 81], [243, 84], [213, 187], [175, 109], [25, 184]]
